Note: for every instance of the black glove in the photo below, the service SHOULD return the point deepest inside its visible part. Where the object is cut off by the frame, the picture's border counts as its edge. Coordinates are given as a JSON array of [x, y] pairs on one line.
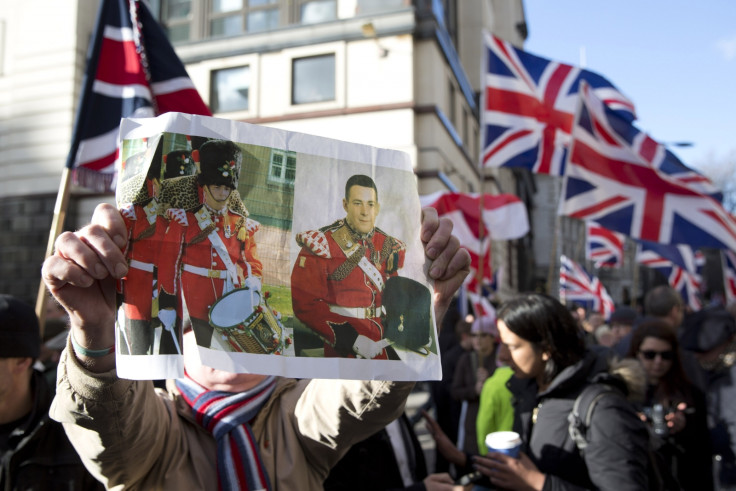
[[345, 336]]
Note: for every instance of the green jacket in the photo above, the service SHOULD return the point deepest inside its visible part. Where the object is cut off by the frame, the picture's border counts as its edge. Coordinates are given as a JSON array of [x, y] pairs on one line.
[[495, 412]]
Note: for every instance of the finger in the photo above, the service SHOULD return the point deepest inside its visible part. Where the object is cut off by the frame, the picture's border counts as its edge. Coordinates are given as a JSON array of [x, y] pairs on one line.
[[443, 257], [106, 256], [430, 222], [110, 219], [58, 272], [438, 240]]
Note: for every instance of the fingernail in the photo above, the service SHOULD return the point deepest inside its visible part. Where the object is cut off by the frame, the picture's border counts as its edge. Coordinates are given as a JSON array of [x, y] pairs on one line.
[[120, 270], [432, 252], [99, 270], [435, 273], [120, 241]]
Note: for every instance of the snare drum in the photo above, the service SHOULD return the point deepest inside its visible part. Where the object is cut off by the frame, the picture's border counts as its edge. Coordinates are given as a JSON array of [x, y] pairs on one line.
[[247, 322]]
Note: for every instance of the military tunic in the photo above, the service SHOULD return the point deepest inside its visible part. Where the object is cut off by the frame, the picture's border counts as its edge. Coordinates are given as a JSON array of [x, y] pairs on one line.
[[193, 265], [338, 279]]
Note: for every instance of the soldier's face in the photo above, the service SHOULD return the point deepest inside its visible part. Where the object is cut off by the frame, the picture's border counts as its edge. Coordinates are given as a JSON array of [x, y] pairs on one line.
[[361, 208], [216, 196]]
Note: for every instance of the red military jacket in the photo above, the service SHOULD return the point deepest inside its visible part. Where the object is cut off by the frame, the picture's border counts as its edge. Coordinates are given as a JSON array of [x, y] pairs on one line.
[[145, 231], [338, 278], [190, 260]]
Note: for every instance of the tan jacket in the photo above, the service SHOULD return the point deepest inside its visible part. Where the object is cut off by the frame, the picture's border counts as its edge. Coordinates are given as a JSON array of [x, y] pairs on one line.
[[132, 436]]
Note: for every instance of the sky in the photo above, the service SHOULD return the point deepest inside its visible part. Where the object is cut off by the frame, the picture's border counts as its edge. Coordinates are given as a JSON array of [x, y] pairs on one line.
[[675, 59]]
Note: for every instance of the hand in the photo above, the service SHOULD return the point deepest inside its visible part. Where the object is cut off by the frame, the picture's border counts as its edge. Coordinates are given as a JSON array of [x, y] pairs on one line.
[[444, 445], [252, 282], [81, 275], [450, 263], [440, 482], [510, 473], [366, 348], [676, 420]]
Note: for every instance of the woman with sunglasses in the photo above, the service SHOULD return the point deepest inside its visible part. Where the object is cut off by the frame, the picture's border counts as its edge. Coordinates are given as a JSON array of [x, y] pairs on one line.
[[673, 406]]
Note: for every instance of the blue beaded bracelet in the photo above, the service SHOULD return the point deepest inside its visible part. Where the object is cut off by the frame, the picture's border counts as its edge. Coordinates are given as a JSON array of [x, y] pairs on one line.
[[90, 353]]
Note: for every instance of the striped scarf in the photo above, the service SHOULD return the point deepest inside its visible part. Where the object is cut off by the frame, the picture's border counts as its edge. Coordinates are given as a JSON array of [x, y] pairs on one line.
[[227, 415]]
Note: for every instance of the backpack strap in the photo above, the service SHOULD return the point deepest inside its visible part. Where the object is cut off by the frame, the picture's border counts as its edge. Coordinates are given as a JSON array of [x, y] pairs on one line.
[[582, 412]]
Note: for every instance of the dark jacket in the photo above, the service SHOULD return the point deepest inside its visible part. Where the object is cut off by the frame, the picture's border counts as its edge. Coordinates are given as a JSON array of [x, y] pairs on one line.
[[371, 464], [40, 455], [616, 456]]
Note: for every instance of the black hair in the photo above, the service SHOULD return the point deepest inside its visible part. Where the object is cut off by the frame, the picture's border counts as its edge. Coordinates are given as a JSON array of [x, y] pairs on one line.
[[548, 326], [360, 180]]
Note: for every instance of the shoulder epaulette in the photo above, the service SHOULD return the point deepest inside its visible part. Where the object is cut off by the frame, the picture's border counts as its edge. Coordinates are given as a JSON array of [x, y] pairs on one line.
[[314, 241], [128, 211], [177, 215]]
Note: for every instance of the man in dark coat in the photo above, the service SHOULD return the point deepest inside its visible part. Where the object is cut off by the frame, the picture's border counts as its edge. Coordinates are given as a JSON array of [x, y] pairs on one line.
[[36, 453]]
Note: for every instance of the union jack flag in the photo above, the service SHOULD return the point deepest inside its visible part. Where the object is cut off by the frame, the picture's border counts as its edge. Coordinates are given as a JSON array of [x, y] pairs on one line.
[[132, 71], [528, 107], [577, 285], [679, 264], [602, 246], [611, 178], [504, 218], [729, 275]]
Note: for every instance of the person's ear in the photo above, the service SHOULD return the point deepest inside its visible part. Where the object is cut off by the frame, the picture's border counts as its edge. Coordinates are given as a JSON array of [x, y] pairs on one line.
[[545, 356], [345, 204]]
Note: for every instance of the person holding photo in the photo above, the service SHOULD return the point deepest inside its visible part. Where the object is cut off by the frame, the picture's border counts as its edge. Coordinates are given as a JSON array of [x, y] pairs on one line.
[[287, 433], [340, 273]]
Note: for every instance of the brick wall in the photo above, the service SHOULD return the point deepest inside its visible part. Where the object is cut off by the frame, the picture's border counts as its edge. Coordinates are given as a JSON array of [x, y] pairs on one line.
[[24, 232]]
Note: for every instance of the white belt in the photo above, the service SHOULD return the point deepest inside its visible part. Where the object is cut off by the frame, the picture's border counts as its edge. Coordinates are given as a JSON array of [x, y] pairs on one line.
[[207, 273], [357, 312], [148, 267]]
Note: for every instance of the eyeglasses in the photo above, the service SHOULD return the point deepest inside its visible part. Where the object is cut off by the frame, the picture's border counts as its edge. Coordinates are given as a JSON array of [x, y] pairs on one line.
[[481, 334], [651, 354]]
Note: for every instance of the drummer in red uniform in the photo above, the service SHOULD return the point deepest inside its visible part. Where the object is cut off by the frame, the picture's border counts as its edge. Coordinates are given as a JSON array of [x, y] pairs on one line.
[[209, 248], [339, 275]]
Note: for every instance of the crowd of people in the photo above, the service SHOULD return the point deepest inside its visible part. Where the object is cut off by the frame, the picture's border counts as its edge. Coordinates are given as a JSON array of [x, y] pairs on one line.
[[522, 371], [669, 423], [662, 416]]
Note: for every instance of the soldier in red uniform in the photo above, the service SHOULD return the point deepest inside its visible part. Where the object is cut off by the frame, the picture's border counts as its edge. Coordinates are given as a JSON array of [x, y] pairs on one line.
[[209, 248], [339, 276], [140, 209]]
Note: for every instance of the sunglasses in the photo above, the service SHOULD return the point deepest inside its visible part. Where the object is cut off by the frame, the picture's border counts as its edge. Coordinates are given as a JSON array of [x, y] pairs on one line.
[[651, 354]]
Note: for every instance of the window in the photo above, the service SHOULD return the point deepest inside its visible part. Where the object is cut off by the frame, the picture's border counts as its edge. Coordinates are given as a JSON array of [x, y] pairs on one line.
[[378, 6], [313, 79], [452, 95], [282, 167], [177, 14], [318, 11], [229, 89]]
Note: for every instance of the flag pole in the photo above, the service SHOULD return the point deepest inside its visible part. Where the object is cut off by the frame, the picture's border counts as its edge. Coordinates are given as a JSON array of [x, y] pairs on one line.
[[62, 197], [57, 224]]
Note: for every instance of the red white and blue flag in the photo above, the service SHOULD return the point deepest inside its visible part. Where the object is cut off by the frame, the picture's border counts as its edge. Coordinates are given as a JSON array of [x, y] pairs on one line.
[[679, 264], [132, 71], [504, 218], [612, 178], [605, 248], [576, 285], [528, 106], [729, 275]]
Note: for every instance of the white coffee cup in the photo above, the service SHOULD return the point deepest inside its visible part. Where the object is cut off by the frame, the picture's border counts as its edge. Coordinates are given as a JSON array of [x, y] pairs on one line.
[[505, 442]]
